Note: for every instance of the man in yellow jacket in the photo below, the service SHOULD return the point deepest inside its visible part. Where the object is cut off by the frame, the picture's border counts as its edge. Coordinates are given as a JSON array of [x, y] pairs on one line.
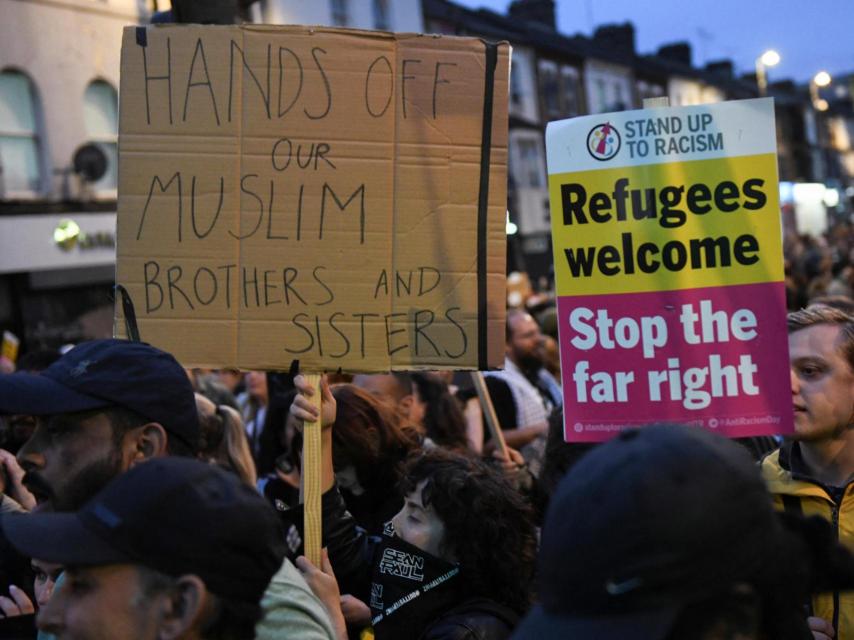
[[814, 473]]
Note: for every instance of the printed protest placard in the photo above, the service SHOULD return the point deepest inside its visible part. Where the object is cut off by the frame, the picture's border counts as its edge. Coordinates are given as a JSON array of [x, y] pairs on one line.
[[328, 195], [669, 269]]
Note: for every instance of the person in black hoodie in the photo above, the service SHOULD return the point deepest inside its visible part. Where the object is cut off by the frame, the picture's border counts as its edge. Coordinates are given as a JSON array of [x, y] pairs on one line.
[[456, 563]]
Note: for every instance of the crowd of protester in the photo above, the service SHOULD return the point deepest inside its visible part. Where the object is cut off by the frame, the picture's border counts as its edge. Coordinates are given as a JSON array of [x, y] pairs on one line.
[[143, 500]]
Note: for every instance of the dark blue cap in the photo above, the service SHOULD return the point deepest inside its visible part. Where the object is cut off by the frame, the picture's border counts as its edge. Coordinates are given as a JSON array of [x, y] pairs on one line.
[[175, 515], [107, 373], [657, 518]]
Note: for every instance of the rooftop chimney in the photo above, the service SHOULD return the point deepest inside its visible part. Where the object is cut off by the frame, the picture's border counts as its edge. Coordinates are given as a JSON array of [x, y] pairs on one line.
[[721, 68], [209, 12], [539, 11], [787, 86], [678, 52], [620, 38]]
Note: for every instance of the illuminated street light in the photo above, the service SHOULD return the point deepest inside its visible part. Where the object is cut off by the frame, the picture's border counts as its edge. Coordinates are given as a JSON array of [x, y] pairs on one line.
[[821, 79], [768, 59], [510, 228]]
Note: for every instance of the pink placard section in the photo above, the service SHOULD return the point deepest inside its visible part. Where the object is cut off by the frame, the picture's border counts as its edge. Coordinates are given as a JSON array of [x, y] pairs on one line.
[[714, 357]]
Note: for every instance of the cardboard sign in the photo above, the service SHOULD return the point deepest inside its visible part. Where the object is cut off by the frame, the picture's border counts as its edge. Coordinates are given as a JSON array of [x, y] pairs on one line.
[[669, 267], [332, 196]]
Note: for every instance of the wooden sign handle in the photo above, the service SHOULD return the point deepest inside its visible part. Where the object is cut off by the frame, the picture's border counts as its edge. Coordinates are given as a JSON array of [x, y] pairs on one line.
[[489, 413], [311, 471]]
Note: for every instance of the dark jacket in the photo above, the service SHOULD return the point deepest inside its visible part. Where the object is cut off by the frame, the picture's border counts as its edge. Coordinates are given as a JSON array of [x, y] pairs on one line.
[[352, 554], [475, 619], [795, 491]]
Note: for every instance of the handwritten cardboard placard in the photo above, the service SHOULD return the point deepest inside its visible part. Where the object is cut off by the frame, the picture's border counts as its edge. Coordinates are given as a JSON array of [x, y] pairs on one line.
[[669, 267], [313, 193]]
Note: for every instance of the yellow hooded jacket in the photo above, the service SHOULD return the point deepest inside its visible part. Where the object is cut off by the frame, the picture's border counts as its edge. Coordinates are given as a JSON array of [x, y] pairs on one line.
[[796, 492]]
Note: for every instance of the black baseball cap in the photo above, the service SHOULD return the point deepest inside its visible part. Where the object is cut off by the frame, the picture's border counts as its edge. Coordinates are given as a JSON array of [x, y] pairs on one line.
[[654, 520], [175, 515], [104, 373]]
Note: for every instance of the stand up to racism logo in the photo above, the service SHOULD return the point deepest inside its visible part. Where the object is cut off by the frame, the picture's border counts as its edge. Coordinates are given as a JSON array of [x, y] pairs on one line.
[[603, 141]]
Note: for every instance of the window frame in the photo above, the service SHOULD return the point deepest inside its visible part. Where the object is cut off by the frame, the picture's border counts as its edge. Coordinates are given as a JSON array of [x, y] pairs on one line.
[[381, 14], [570, 74], [548, 73], [529, 163], [38, 138], [339, 11], [104, 140]]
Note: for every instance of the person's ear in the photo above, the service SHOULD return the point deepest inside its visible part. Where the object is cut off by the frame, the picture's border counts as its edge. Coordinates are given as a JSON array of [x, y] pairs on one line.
[[145, 442], [185, 608]]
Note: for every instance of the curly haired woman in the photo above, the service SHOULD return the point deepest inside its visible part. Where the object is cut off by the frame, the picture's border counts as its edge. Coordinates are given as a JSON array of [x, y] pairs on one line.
[[436, 572]]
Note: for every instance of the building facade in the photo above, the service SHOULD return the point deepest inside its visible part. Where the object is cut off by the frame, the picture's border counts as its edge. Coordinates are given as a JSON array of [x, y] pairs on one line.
[[577, 75], [59, 79], [385, 15]]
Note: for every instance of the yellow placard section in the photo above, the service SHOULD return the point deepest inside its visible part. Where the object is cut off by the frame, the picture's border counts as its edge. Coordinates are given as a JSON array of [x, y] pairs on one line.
[[663, 227], [9, 347]]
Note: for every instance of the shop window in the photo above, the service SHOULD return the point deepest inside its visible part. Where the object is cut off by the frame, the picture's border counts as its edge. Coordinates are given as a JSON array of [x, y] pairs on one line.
[[20, 157]]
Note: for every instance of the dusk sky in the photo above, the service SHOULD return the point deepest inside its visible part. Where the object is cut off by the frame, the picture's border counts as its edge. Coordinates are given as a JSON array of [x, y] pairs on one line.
[[810, 35]]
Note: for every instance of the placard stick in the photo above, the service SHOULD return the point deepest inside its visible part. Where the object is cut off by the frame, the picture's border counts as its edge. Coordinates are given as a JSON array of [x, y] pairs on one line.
[[311, 471], [489, 413]]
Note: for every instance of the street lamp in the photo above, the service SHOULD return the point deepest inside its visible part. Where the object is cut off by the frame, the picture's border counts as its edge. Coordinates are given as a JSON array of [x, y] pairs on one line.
[[510, 228], [821, 79], [768, 59]]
